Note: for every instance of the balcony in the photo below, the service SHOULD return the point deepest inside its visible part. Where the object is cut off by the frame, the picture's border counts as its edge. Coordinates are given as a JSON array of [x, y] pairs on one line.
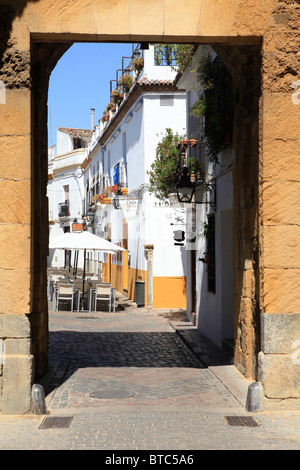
[[64, 209]]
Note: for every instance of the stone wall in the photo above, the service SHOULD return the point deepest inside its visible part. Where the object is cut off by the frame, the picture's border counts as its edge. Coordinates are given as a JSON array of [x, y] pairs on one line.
[[244, 64], [279, 359], [259, 41]]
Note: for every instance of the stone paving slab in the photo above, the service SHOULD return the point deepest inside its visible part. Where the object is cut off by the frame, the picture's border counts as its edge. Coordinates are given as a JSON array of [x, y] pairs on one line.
[[172, 428]]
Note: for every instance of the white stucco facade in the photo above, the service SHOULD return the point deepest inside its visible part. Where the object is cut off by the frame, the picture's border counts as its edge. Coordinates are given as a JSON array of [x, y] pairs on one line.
[[213, 307], [65, 189], [119, 155], [123, 157]]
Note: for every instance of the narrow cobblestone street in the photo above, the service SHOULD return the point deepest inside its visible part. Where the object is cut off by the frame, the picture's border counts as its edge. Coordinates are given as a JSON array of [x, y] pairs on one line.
[[130, 381]]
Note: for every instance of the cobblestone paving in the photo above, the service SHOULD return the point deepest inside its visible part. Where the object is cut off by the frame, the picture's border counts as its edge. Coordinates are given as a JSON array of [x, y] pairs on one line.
[[129, 382], [131, 353]]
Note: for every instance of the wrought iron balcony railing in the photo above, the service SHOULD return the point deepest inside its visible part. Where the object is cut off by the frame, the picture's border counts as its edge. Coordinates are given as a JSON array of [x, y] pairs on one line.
[[64, 209]]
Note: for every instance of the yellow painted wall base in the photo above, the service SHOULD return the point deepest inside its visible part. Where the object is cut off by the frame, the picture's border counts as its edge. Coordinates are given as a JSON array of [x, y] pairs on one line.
[[136, 275], [169, 292]]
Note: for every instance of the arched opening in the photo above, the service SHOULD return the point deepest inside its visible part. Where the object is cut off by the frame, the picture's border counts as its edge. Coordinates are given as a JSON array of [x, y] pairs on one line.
[[34, 35], [243, 62]]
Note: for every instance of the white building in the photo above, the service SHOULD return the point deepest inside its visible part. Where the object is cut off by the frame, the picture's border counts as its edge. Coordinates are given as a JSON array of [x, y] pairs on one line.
[[213, 299], [65, 187], [121, 155], [176, 274]]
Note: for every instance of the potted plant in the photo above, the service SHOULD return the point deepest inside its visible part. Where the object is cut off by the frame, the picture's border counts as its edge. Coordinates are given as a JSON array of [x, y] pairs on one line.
[[111, 107], [164, 173], [184, 143], [105, 116], [195, 169], [109, 191], [117, 96], [125, 82], [95, 198], [137, 65]]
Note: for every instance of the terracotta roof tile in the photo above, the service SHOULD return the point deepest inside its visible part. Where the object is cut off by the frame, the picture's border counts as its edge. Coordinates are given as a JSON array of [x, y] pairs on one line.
[[155, 82], [76, 132]]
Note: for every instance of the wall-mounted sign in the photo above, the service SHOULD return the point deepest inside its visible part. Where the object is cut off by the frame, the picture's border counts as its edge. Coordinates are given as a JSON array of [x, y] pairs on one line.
[[77, 227]]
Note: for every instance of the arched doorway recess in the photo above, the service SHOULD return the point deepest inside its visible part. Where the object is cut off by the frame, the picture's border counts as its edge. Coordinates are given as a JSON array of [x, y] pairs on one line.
[[255, 42]]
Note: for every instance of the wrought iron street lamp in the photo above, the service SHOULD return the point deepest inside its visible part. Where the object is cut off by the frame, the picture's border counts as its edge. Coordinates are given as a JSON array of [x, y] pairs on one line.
[[117, 199], [185, 188], [90, 217], [136, 55]]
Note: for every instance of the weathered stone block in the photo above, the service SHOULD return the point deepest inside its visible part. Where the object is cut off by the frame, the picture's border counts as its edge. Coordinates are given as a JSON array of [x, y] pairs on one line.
[[279, 375], [15, 283], [17, 381], [15, 246], [15, 207], [251, 17], [18, 347], [277, 197], [279, 332], [281, 246], [281, 117], [13, 165], [14, 326], [281, 290], [15, 115], [280, 157]]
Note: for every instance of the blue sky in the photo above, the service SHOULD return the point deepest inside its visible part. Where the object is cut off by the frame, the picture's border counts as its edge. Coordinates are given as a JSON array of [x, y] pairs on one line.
[[81, 81]]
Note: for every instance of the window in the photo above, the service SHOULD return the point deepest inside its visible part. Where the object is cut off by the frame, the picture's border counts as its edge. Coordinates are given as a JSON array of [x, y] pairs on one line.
[[116, 174], [117, 258], [164, 54], [67, 193], [68, 253], [77, 143]]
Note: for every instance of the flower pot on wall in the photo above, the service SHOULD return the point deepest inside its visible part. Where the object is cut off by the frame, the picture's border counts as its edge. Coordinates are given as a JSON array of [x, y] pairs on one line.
[[184, 143], [106, 200], [193, 142]]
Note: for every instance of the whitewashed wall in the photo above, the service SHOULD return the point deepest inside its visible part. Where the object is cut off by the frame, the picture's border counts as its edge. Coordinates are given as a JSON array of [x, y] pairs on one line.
[[214, 310]]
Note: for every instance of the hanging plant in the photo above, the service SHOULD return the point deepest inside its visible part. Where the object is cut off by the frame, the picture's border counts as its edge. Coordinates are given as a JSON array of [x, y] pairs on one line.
[[183, 55], [105, 116], [178, 56], [125, 82], [110, 190], [209, 255], [216, 104], [117, 96], [111, 107], [163, 175], [95, 198], [137, 65]]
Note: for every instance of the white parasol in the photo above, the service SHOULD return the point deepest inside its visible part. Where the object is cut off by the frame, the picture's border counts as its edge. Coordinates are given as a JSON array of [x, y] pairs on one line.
[[83, 241]]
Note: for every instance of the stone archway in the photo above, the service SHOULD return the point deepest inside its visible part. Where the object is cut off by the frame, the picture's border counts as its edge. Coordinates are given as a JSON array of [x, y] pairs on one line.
[[255, 40]]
